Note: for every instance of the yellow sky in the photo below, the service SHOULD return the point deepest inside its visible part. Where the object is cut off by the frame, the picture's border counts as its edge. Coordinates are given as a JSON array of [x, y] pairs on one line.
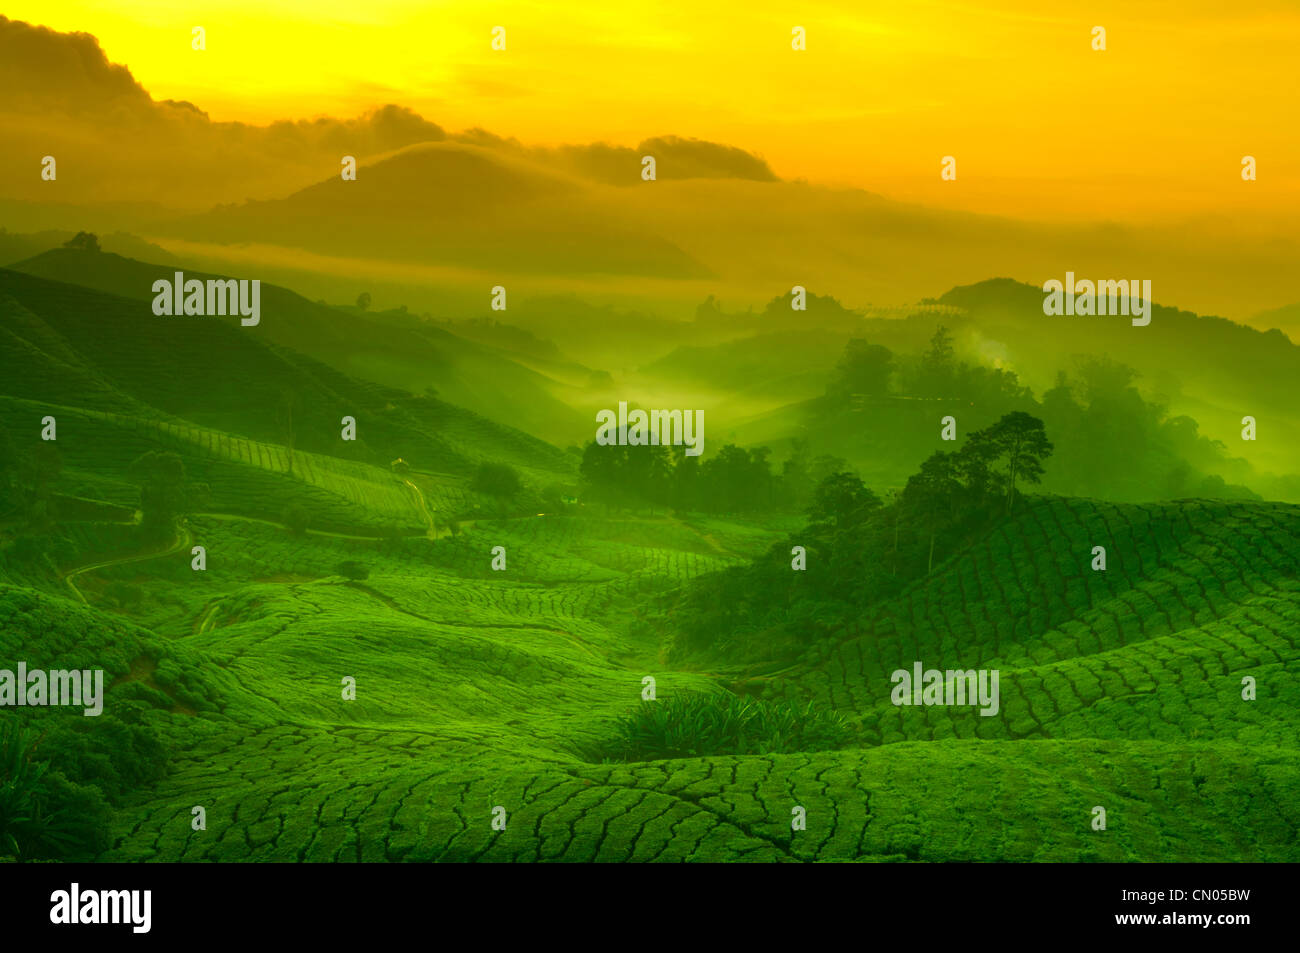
[[1040, 124]]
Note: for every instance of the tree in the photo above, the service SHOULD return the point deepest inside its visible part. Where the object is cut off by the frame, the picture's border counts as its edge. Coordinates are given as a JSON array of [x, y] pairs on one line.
[[295, 519], [351, 569], [973, 466], [685, 488], [552, 496], [796, 481], [497, 480], [932, 494], [940, 354], [646, 473], [600, 474], [83, 241], [736, 480], [938, 375], [862, 369], [1022, 439], [842, 501], [164, 491], [27, 482], [363, 301]]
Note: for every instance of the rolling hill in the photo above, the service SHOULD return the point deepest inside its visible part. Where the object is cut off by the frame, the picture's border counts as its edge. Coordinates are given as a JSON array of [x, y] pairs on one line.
[[479, 690], [121, 381], [411, 355]]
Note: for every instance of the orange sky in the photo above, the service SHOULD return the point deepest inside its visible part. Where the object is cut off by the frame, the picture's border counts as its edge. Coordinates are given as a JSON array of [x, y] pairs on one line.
[[1041, 125]]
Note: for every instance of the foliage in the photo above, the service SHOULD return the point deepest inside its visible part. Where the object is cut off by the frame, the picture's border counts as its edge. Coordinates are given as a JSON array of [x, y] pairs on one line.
[[701, 724], [499, 480], [43, 816], [295, 518], [351, 569], [83, 241]]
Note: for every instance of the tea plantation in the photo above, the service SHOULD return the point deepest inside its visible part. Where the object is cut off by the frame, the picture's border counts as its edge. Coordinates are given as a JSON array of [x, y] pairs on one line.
[[376, 662]]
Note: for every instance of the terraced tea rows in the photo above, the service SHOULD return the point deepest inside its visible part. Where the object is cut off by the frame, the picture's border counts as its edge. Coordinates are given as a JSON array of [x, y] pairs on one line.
[[1195, 597], [478, 690]]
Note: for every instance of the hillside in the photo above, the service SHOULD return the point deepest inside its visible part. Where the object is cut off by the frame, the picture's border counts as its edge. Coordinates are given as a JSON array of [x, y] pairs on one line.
[[453, 204], [1214, 369], [121, 381], [479, 689], [411, 355]]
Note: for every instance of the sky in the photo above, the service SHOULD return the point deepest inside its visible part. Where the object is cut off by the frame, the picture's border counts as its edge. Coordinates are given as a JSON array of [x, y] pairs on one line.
[[1041, 125]]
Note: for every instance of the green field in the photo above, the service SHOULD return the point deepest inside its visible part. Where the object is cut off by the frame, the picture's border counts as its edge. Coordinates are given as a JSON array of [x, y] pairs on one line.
[[481, 690], [478, 689]]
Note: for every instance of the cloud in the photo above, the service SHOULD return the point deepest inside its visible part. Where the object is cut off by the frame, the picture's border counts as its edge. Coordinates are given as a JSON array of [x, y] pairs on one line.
[[675, 158], [42, 69], [114, 142]]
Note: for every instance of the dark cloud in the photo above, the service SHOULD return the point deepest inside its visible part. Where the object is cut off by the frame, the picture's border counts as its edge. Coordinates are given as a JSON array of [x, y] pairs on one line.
[[122, 145], [675, 158]]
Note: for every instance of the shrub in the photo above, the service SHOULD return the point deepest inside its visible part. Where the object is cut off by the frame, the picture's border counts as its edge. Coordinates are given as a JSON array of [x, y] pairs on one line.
[[497, 480], [352, 570], [124, 595], [295, 518], [43, 815], [698, 724]]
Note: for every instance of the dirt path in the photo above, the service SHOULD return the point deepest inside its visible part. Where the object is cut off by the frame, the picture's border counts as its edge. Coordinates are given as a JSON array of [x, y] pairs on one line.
[[424, 509], [266, 522], [185, 541]]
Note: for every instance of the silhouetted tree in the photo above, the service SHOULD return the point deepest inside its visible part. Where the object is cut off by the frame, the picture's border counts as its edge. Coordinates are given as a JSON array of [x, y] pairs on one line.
[[862, 369], [164, 491], [83, 241], [498, 480], [842, 501], [938, 369], [1022, 440], [933, 496]]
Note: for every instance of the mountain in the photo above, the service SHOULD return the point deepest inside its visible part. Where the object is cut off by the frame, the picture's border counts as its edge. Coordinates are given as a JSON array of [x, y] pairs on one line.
[[1121, 689], [411, 354], [120, 381], [452, 204], [1286, 319]]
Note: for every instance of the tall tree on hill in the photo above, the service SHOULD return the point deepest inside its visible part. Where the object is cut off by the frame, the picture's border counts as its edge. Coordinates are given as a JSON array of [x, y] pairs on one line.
[[499, 480], [842, 502], [938, 371], [164, 492], [863, 369], [83, 241], [933, 494], [796, 480], [736, 480], [1022, 439], [685, 487], [27, 482], [973, 465], [646, 473], [602, 470]]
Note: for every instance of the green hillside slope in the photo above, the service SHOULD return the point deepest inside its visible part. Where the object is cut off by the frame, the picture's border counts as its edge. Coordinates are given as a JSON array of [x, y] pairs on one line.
[[479, 689], [412, 355], [73, 346]]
